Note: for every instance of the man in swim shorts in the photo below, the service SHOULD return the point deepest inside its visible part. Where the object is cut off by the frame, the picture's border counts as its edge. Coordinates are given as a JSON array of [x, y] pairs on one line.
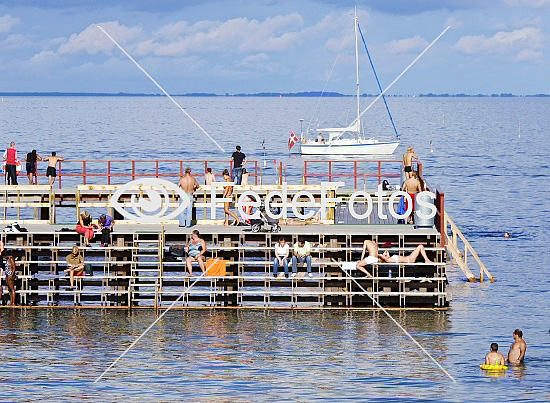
[[372, 258], [407, 161], [493, 357], [51, 173], [517, 349], [412, 186]]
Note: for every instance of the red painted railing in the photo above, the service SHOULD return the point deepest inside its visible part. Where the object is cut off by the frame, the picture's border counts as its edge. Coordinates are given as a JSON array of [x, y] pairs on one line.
[[132, 169], [379, 169]]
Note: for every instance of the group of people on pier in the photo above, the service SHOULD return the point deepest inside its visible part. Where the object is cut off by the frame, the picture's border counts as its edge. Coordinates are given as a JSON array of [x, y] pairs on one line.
[[12, 165]]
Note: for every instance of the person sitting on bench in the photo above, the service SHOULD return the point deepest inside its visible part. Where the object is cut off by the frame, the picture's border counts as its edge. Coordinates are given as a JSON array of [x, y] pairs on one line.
[[75, 265]]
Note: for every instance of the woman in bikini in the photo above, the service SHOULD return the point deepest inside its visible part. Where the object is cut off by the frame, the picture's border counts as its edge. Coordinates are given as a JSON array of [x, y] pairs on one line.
[[405, 259], [227, 192]]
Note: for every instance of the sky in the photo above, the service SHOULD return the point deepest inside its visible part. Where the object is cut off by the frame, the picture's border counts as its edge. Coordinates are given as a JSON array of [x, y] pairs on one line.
[[209, 46]]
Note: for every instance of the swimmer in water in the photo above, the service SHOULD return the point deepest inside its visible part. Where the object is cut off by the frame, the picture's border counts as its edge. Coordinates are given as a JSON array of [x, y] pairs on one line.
[[506, 235], [493, 357], [517, 349]]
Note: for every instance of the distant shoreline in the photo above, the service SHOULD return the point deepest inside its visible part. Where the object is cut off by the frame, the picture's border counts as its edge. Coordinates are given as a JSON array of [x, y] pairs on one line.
[[315, 94]]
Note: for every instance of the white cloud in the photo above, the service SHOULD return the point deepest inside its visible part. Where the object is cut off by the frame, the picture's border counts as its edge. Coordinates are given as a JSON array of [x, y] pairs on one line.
[[528, 22], [528, 3], [16, 41], [406, 45], [236, 35], [528, 55], [525, 42], [454, 22], [93, 41], [7, 22], [253, 60], [42, 57]]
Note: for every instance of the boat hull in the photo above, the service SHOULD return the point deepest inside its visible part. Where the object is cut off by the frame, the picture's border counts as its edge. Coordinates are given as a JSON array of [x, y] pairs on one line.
[[378, 148]]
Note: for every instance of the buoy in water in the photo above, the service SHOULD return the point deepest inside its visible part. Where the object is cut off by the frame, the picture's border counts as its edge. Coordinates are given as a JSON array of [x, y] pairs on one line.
[[486, 367]]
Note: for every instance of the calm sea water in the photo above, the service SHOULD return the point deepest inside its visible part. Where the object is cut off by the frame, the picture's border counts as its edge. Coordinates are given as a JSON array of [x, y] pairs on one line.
[[495, 181]]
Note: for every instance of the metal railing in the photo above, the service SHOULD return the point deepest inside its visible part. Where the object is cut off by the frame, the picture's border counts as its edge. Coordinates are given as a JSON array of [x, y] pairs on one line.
[[358, 170], [78, 172]]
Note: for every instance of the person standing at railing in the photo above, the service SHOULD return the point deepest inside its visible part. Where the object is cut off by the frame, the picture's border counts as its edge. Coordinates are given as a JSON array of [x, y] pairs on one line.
[[10, 158], [407, 161], [51, 172], [239, 159], [209, 177], [31, 160], [188, 184], [412, 186]]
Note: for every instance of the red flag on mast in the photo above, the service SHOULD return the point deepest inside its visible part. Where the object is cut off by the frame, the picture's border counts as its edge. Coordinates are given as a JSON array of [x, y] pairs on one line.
[[292, 140]]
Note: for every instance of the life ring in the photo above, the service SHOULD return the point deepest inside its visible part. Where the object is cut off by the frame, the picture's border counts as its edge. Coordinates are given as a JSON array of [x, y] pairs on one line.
[[486, 367], [17, 167]]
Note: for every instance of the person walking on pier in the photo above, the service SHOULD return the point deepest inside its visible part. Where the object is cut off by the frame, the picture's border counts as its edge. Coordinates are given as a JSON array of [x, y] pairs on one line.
[[188, 184], [51, 172], [412, 186], [10, 158], [493, 357], [407, 161], [227, 193], [75, 265], [31, 160], [372, 258], [239, 159], [196, 248], [301, 254], [517, 349], [281, 257]]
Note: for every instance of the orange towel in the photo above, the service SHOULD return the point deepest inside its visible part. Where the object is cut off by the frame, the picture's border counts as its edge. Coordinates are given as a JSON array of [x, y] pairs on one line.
[[217, 267]]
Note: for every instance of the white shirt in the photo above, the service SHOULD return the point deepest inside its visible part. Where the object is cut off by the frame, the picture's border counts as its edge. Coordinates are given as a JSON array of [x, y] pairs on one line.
[[281, 251]]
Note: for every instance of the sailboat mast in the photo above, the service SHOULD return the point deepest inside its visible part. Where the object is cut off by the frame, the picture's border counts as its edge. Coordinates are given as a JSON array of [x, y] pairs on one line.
[[357, 72]]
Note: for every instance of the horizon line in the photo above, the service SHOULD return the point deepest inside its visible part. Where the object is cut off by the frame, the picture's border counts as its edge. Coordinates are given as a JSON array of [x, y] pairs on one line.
[[265, 94]]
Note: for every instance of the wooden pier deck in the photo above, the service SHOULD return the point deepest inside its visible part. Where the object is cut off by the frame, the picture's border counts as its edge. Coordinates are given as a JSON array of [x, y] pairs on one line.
[[138, 269]]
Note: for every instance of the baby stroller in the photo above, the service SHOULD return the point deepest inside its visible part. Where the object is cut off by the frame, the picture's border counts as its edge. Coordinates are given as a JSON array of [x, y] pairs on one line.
[[264, 223]]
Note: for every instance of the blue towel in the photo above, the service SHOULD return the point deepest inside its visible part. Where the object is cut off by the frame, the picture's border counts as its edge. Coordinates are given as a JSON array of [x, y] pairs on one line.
[[401, 205]]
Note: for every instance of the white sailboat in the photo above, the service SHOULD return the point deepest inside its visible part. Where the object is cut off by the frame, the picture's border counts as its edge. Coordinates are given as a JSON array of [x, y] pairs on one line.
[[347, 140]]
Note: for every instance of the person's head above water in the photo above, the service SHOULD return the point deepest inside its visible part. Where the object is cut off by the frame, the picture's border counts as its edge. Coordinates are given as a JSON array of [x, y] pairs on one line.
[[506, 235], [494, 347]]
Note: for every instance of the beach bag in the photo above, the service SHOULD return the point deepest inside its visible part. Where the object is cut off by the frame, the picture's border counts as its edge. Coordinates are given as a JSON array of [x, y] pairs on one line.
[[216, 267], [88, 270]]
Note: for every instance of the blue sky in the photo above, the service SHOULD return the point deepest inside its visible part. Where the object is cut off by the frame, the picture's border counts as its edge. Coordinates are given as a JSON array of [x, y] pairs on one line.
[[493, 46]]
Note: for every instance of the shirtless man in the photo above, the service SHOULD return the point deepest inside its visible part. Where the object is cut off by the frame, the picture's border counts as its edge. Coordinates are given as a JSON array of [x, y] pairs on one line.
[[188, 184], [209, 177], [517, 349], [493, 357], [406, 259], [52, 163], [412, 186], [372, 258], [407, 161]]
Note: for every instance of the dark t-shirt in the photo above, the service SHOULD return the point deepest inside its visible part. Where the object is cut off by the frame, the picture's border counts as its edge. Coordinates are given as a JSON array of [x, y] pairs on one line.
[[238, 157], [31, 157]]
